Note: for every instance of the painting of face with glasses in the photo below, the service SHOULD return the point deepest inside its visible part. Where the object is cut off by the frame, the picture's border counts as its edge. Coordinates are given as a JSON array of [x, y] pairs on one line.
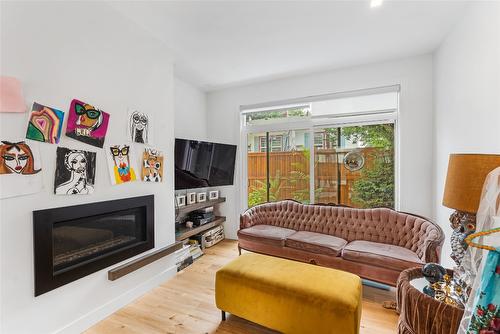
[[20, 167], [119, 163], [152, 165], [87, 123], [139, 127]]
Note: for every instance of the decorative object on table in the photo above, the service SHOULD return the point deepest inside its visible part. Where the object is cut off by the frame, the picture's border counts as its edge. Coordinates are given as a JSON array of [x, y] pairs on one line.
[[485, 307], [181, 200], [421, 314], [433, 273], [464, 182], [75, 172], [214, 194], [11, 95], [20, 167], [354, 161], [191, 198], [87, 123], [201, 197], [45, 124], [120, 164], [450, 291], [152, 165], [139, 127]]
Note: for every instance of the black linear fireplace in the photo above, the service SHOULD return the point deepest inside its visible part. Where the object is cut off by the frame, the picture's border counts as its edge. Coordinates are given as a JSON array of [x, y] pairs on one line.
[[75, 241]]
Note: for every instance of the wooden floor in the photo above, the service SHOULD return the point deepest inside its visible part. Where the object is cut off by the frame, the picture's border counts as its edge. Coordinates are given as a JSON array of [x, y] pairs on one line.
[[185, 304]]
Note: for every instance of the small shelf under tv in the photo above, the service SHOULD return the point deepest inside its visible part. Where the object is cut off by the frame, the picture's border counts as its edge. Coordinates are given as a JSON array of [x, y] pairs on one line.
[[184, 232], [196, 206]]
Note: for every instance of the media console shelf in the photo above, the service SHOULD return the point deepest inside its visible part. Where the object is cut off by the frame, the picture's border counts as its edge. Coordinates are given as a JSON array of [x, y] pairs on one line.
[[182, 232]]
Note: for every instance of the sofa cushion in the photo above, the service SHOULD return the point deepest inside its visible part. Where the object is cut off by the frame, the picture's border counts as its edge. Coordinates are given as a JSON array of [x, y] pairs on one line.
[[381, 255], [269, 234], [316, 243]]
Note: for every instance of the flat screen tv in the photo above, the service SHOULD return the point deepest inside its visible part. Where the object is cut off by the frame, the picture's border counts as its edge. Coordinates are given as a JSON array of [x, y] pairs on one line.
[[200, 164]]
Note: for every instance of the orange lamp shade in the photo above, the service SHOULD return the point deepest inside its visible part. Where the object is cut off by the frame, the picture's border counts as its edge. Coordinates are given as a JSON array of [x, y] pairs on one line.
[[465, 179]]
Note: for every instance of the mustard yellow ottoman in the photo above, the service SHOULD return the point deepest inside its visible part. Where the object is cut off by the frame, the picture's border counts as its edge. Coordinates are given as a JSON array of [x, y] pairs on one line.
[[288, 296]]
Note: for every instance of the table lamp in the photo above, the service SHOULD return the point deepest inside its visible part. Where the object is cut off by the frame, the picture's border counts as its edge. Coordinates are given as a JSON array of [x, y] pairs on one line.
[[462, 192]]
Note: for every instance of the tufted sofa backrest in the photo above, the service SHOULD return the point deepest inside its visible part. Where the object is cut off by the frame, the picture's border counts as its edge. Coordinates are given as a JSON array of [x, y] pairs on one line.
[[381, 225]]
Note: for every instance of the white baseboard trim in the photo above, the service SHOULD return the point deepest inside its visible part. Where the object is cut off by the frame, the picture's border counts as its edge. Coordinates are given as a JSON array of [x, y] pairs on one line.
[[88, 320]]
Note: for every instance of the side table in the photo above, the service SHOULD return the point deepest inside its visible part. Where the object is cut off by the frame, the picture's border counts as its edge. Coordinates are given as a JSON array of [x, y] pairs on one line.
[[421, 314]]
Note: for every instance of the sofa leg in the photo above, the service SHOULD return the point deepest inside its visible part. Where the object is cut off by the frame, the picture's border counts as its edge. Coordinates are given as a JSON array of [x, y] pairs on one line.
[[239, 250], [223, 313]]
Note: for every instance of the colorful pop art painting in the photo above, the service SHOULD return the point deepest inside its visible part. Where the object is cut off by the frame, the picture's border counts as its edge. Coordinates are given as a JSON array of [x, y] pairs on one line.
[[75, 172], [139, 127], [152, 165], [20, 168], [87, 123], [121, 164], [45, 124]]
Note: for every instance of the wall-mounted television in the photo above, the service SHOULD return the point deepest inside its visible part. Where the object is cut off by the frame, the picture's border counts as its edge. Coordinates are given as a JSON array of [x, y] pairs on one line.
[[200, 164]]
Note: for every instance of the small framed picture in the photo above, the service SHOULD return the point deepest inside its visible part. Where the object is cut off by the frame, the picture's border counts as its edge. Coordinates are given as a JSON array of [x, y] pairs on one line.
[[202, 197], [214, 194], [181, 200], [191, 198]]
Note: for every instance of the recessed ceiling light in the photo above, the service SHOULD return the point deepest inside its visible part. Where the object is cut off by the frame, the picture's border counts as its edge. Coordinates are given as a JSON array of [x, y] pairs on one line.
[[376, 3]]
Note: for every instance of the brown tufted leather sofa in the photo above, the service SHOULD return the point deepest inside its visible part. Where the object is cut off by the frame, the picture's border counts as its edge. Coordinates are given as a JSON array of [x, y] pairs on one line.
[[376, 244]]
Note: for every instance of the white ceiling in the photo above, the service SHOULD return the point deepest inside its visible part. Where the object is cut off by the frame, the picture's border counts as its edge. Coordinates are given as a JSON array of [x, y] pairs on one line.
[[222, 44]]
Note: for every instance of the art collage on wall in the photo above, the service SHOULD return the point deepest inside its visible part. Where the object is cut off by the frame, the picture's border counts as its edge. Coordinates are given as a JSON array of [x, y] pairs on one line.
[[75, 170]]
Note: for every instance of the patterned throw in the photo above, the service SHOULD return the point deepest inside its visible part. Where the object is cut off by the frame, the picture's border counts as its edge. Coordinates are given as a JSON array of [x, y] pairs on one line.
[[486, 316]]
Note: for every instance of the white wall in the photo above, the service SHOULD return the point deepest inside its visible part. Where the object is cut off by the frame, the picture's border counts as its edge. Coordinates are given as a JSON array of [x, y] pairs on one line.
[[414, 75], [190, 111], [467, 96], [62, 51]]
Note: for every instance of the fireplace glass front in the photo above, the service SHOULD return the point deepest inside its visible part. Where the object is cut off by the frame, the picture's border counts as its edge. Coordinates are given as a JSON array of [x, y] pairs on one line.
[[78, 241]]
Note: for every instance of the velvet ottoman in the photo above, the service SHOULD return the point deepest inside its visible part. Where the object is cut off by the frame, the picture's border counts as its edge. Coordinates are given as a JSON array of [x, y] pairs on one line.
[[288, 296]]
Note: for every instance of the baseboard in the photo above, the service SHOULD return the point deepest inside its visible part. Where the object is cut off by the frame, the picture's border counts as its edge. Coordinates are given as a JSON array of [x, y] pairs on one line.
[[93, 317]]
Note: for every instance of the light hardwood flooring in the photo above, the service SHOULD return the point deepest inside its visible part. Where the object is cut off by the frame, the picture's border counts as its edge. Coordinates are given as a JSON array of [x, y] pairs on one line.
[[185, 304]]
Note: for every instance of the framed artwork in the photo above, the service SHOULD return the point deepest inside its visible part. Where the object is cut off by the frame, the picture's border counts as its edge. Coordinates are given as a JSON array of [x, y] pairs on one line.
[[120, 164], [75, 172], [20, 168], [201, 197], [45, 124], [181, 200], [87, 123], [191, 198], [139, 127], [152, 165], [214, 194]]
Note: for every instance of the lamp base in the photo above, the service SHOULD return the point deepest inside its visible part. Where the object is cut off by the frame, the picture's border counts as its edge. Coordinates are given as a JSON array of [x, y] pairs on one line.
[[463, 224]]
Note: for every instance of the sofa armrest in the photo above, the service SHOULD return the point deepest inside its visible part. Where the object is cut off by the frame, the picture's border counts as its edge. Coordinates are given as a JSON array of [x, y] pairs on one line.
[[432, 251], [248, 218]]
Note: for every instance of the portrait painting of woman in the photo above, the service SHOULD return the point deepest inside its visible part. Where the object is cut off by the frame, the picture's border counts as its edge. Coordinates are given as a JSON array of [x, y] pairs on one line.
[[17, 158], [20, 168]]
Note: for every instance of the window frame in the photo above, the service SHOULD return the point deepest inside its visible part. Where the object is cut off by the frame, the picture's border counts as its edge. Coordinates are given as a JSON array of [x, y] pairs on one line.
[[314, 124]]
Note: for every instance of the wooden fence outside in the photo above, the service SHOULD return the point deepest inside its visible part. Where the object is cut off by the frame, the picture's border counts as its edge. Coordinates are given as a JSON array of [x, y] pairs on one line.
[[292, 169]]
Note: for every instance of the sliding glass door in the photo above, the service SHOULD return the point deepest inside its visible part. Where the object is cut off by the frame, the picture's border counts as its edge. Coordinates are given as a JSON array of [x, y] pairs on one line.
[[278, 166], [354, 165], [337, 150]]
